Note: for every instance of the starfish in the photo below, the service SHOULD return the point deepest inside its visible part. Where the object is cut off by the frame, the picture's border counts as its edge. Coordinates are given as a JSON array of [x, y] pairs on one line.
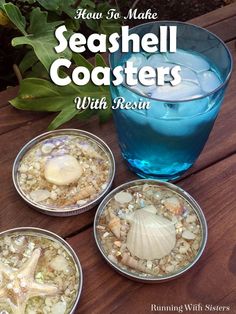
[[19, 285]]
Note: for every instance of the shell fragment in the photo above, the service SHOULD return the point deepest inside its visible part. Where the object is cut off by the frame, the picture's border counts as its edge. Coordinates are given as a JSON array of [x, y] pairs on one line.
[[188, 235], [40, 195], [47, 148], [62, 170], [123, 197]]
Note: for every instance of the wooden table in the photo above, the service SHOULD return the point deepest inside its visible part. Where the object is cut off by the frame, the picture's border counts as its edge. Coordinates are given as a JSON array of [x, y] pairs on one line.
[[211, 181]]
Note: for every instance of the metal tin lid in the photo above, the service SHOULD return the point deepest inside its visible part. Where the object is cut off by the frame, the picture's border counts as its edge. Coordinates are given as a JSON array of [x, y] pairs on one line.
[[150, 231], [64, 172], [37, 263]]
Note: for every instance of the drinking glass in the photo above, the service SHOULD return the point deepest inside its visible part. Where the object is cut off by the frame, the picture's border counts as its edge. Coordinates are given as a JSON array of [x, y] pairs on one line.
[[164, 141]]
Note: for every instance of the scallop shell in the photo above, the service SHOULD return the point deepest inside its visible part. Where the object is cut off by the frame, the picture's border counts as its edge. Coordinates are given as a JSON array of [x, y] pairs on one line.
[[150, 236]]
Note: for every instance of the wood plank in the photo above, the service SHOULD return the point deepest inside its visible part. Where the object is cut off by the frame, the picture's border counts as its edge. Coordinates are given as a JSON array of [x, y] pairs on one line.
[[221, 143], [215, 16], [211, 281], [7, 94], [225, 29]]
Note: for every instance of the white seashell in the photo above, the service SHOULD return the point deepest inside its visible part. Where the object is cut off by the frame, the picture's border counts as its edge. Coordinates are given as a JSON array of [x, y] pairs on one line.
[[191, 218], [59, 308], [59, 263], [114, 225], [149, 264], [173, 205], [39, 195], [117, 243], [132, 263], [62, 170], [188, 235], [23, 168], [150, 236], [47, 148], [169, 268], [151, 209], [123, 197]]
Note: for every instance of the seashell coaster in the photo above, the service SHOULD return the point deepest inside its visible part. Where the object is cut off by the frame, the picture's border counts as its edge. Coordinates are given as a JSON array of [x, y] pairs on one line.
[[39, 272], [150, 230], [64, 172]]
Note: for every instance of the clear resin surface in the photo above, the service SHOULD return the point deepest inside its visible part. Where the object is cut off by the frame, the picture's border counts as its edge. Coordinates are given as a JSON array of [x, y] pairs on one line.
[[150, 231], [64, 172], [37, 275]]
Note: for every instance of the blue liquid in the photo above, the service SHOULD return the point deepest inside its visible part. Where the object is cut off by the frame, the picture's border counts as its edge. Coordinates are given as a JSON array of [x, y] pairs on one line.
[[164, 141]]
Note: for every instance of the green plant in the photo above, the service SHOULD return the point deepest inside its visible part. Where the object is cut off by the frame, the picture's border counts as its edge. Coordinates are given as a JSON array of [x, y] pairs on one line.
[[36, 21]]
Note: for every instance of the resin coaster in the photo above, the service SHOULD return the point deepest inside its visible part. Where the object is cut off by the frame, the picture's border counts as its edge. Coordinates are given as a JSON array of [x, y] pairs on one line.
[[64, 172], [39, 272], [150, 230]]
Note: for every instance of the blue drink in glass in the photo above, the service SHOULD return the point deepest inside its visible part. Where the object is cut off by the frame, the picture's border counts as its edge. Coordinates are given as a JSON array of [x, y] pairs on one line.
[[164, 141]]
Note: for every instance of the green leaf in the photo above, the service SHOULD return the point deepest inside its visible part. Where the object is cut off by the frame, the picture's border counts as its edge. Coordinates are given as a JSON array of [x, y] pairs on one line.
[[87, 3], [42, 39], [100, 61], [52, 5], [41, 95], [92, 24], [28, 61], [39, 24], [103, 7], [15, 16], [86, 114], [39, 71], [105, 114], [59, 6], [2, 2], [64, 116], [109, 26], [81, 61]]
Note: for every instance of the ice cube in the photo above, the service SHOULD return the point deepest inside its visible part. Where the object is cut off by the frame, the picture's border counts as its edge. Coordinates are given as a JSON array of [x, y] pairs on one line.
[[182, 91], [155, 59], [157, 110], [189, 109], [138, 60], [138, 116], [155, 63], [209, 81], [188, 75], [144, 89], [190, 60]]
